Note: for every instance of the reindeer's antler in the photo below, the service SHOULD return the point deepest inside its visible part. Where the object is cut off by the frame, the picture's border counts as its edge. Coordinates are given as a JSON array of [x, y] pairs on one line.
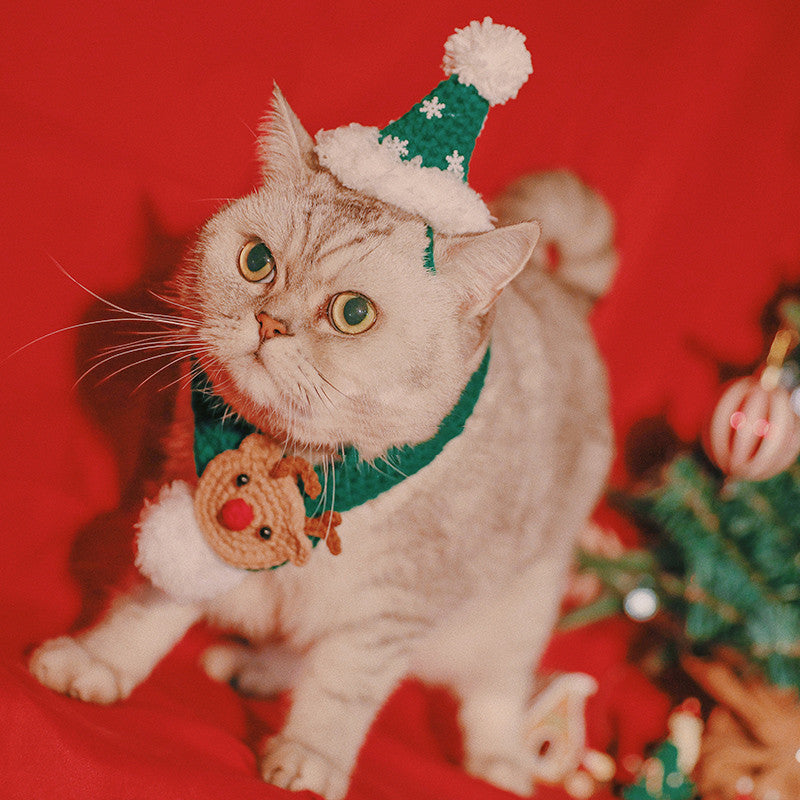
[[294, 466], [324, 527]]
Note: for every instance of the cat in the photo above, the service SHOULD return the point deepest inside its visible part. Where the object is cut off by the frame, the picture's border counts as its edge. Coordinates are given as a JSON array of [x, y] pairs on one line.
[[453, 575]]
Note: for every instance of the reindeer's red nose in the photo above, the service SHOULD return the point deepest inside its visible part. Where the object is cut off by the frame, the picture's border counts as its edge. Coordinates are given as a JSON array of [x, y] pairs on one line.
[[236, 514]]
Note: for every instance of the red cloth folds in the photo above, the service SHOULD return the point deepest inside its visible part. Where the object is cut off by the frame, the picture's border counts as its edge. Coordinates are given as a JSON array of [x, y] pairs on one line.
[[124, 125]]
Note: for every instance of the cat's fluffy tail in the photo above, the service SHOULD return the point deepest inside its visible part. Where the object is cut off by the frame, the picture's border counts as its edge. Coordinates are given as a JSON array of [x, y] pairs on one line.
[[577, 242]]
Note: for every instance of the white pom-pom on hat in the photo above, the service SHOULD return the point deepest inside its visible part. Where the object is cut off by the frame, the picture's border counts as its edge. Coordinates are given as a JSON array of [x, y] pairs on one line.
[[491, 57]]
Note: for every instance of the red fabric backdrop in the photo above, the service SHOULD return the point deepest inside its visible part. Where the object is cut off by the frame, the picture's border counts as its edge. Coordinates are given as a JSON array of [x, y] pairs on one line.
[[124, 124]]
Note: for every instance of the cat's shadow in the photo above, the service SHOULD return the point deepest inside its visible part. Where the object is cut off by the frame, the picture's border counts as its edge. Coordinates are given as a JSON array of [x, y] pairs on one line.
[[131, 410]]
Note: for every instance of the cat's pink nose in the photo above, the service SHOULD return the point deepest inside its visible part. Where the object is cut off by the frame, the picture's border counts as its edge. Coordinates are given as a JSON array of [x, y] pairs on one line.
[[236, 514], [269, 327]]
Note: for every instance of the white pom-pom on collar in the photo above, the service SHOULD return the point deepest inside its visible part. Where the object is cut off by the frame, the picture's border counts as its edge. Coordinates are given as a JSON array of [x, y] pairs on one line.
[[173, 553], [491, 57]]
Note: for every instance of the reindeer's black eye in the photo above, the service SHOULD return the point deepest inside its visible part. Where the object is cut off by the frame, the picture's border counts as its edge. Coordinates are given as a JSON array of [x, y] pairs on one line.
[[242, 479], [265, 532]]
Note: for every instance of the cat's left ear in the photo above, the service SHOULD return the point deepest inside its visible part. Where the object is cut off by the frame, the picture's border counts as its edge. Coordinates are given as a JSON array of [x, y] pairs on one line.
[[481, 265], [285, 148]]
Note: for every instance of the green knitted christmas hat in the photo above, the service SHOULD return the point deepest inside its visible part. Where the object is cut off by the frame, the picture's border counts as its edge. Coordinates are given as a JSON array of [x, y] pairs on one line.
[[419, 162]]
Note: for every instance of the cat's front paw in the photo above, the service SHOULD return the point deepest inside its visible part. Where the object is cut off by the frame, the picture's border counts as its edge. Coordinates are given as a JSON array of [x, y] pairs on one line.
[[64, 665], [291, 765]]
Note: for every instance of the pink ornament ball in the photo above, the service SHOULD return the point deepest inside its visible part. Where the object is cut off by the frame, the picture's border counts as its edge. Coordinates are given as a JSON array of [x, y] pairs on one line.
[[754, 433]]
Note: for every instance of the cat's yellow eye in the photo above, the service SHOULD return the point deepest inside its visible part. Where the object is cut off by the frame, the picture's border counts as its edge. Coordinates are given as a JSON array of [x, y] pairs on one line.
[[256, 263], [350, 312]]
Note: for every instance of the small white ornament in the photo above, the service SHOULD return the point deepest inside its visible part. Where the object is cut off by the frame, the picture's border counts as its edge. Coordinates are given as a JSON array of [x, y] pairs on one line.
[[686, 733], [579, 785], [641, 604], [432, 108], [599, 765]]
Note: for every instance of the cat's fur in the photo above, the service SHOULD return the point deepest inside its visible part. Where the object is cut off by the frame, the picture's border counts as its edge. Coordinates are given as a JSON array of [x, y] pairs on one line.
[[456, 573]]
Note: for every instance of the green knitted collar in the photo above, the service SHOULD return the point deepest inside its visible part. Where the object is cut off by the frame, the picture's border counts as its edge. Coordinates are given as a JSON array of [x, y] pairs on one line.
[[352, 481]]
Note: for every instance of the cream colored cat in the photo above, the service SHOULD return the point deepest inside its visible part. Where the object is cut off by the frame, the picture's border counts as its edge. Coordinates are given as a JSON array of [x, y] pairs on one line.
[[455, 574]]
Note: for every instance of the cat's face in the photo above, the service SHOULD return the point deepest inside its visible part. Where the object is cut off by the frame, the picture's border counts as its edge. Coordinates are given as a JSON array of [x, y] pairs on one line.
[[322, 322]]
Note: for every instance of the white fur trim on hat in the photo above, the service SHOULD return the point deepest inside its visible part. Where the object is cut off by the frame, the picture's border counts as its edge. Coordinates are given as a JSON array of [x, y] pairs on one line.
[[492, 58], [357, 157], [173, 553]]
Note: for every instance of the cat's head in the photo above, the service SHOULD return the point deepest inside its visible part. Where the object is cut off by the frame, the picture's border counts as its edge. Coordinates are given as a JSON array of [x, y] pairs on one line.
[[321, 320]]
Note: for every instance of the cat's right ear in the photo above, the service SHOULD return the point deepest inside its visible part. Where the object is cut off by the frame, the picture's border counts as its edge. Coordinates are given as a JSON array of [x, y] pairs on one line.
[[285, 148], [480, 265]]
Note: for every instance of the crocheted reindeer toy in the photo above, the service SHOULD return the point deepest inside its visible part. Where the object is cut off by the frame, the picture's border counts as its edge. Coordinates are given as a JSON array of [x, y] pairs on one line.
[[249, 514]]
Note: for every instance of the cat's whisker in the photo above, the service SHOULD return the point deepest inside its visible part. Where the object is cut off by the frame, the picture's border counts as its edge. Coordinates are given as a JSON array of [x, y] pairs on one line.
[[194, 371], [315, 388], [328, 529], [230, 415], [329, 477], [85, 374], [324, 399], [151, 343], [172, 301], [217, 387], [249, 128], [385, 460], [184, 381], [159, 331], [97, 365], [324, 482], [66, 329], [164, 319], [388, 460], [144, 337], [181, 352], [170, 346], [165, 367], [320, 500], [224, 385], [214, 385], [150, 316], [289, 428], [329, 399], [333, 491], [332, 385], [325, 466], [157, 316]]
